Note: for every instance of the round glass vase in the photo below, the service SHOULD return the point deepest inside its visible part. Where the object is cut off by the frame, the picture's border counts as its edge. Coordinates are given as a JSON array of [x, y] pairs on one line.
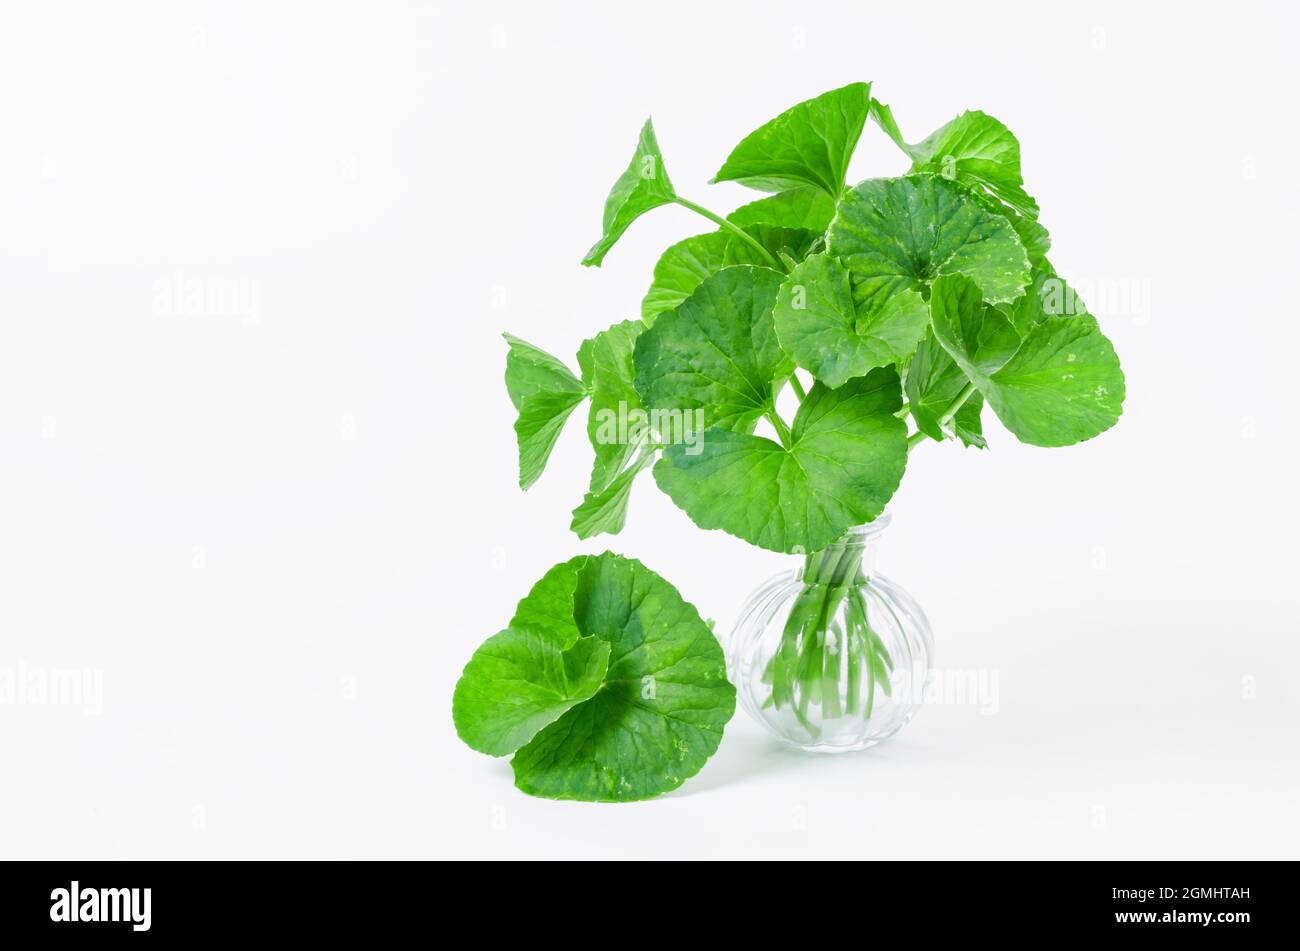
[[832, 657]]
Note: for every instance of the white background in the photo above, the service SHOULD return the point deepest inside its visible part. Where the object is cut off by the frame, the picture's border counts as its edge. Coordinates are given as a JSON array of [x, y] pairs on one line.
[[280, 530]]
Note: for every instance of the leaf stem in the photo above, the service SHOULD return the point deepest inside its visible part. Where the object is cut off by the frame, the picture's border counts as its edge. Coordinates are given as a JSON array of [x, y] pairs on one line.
[[918, 437], [782, 430], [798, 388], [967, 391], [734, 229]]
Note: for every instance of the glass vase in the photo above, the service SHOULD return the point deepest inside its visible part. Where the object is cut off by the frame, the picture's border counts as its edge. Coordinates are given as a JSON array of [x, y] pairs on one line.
[[832, 656]]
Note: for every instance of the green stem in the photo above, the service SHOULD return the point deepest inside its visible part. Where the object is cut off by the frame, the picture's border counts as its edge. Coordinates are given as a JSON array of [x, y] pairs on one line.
[[779, 424], [798, 388], [967, 391], [734, 229], [918, 437]]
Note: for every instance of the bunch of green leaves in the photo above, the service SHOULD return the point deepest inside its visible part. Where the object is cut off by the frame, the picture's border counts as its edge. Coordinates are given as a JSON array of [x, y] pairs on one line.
[[606, 686], [925, 297]]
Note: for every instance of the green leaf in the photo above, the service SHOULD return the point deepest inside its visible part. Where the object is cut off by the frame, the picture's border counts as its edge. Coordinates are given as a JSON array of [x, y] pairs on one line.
[[606, 362], [1061, 386], [933, 381], [544, 392], [685, 265], [809, 144], [817, 323], [896, 235], [980, 153], [787, 244], [977, 149], [530, 371], [519, 682], [660, 713], [716, 351], [808, 208], [847, 453], [1048, 296], [979, 339], [605, 510], [883, 116], [548, 608], [643, 186]]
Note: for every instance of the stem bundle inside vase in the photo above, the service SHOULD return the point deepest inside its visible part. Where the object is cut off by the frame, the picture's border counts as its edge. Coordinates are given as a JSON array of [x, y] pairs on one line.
[[828, 659]]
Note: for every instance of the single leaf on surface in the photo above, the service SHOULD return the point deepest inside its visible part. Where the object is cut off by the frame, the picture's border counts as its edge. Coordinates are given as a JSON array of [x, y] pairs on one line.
[[660, 712], [808, 208], [847, 453], [896, 235], [519, 682], [716, 351], [817, 323], [605, 510], [606, 362], [1062, 385], [643, 186], [548, 608], [685, 265], [544, 392], [808, 144], [934, 381]]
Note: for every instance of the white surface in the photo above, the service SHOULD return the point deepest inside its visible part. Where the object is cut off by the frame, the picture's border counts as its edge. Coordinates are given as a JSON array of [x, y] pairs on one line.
[[280, 533]]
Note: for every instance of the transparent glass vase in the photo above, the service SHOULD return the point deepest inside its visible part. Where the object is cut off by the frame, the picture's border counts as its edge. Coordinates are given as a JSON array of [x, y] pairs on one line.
[[832, 657]]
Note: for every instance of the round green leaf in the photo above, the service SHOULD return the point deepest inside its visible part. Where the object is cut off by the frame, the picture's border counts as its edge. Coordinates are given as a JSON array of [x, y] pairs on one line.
[[685, 265], [1058, 386], [716, 351], [817, 323], [846, 457], [896, 235], [660, 712], [520, 681]]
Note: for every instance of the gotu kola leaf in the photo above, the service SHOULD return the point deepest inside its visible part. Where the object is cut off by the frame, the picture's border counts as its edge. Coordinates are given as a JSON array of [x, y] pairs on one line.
[[606, 363], [519, 682], [977, 149], [544, 392], [605, 510], [934, 381], [980, 153], [896, 235], [685, 265], [660, 712], [807, 208], [845, 458], [717, 351], [1061, 385], [642, 186], [632, 707], [808, 144], [819, 325]]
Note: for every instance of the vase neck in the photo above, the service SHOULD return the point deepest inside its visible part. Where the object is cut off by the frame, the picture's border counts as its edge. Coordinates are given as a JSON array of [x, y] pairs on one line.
[[850, 560]]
